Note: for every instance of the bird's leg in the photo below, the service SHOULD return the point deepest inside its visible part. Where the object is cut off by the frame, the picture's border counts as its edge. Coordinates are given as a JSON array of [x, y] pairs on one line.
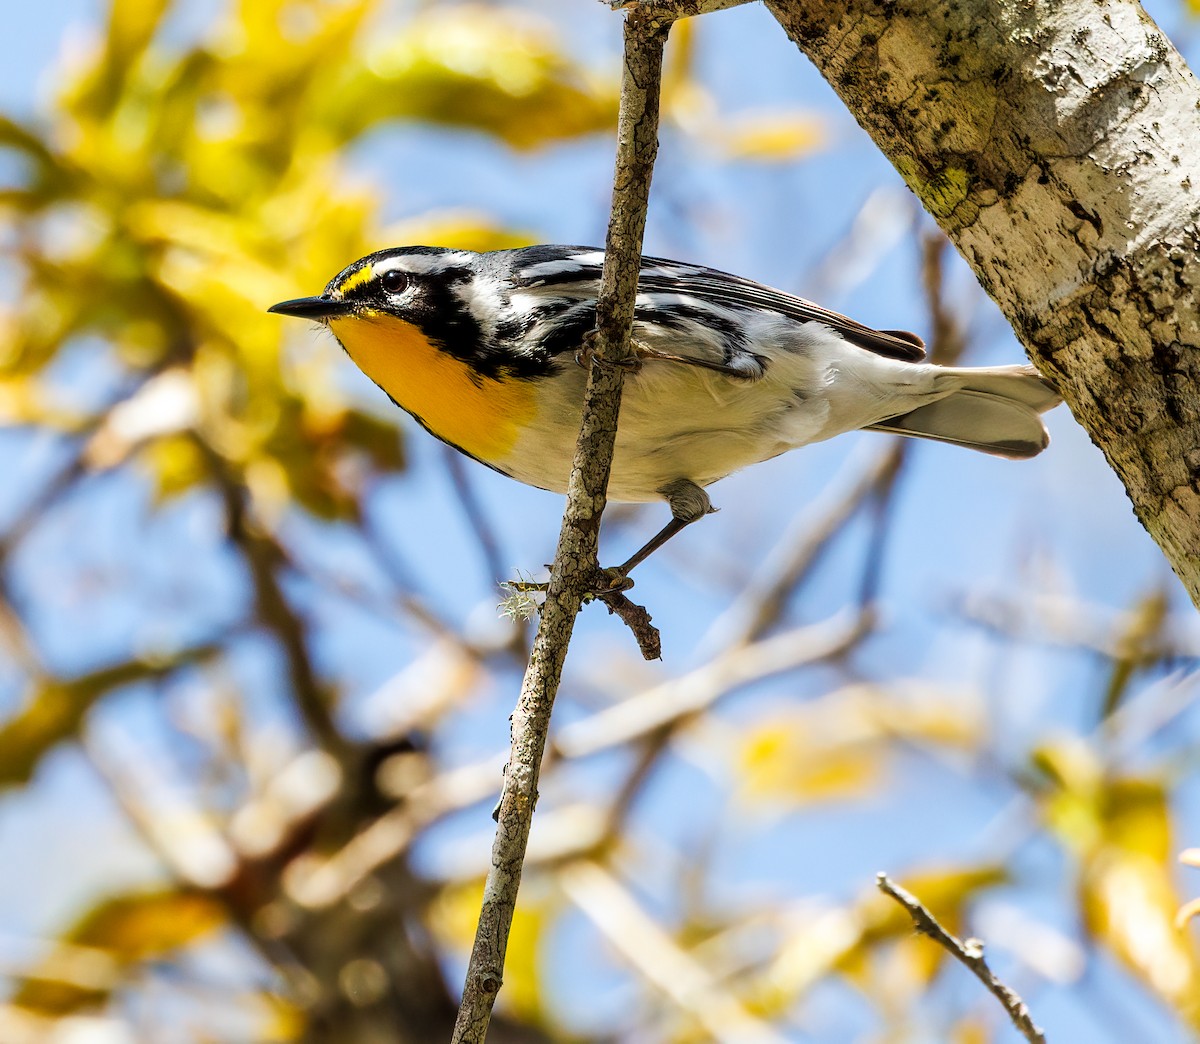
[[586, 355], [688, 502]]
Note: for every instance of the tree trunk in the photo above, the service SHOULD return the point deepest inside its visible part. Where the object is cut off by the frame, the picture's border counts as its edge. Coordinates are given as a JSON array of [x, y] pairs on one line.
[[1055, 143]]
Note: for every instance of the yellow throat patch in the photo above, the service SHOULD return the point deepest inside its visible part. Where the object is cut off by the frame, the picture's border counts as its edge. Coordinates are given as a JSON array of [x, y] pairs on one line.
[[480, 415]]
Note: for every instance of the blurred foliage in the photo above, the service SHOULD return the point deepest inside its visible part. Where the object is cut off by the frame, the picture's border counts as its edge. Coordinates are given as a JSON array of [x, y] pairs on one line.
[[55, 709], [181, 181], [1119, 829], [113, 935]]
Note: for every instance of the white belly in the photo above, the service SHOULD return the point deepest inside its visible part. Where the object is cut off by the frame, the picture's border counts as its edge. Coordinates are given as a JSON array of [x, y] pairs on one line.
[[680, 421]]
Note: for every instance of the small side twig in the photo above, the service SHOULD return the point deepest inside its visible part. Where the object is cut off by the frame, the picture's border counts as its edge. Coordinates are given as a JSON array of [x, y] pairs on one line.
[[969, 953], [659, 958], [637, 619]]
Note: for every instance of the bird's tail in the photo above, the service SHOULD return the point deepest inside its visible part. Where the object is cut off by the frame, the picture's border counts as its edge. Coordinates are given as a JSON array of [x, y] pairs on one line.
[[993, 409]]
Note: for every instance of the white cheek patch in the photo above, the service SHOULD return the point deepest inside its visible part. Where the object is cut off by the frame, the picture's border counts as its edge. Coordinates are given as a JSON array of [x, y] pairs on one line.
[[483, 299]]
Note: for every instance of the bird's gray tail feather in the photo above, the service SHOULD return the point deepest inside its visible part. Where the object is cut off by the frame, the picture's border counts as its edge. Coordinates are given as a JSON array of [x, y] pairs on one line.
[[995, 410]]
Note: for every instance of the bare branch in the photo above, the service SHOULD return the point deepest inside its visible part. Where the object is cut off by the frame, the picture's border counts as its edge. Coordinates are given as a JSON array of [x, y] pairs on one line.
[[575, 564], [670, 10], [762, 601], [485, 534], [650, 949], [637, 619], [969, 953], [667, 704], [319, 881], [264, 558]]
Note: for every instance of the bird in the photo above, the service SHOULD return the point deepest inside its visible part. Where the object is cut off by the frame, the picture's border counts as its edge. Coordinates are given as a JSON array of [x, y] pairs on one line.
[[487, 351]]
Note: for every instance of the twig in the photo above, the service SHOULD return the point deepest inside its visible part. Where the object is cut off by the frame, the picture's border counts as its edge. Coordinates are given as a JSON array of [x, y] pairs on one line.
[[667, 704], [969, 953], [650, 717], [264, 558], [761, 603], [575, 563], [637, 619], [947, 340], [670, 10], [473, 511], [648, 947]]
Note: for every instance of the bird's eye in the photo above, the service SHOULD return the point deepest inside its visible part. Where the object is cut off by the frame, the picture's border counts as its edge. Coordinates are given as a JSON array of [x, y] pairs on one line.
[[393, 281]]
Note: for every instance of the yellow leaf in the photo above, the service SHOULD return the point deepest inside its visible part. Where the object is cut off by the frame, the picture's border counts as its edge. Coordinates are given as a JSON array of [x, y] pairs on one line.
[[131, 27], [176, 465], [1120, 829], [124, 929], [474, 66], [944, 893], [783, 761], [522, 970], [1130, 904], [971, 1030], [838, 745], [454, 916], [770, 137]]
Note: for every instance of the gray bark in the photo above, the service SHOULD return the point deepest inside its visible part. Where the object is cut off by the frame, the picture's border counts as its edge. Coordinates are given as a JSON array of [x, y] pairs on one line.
[[1055, 142]]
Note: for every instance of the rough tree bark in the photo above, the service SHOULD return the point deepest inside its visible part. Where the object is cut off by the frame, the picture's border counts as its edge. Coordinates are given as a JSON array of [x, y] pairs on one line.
[[1055, 141]]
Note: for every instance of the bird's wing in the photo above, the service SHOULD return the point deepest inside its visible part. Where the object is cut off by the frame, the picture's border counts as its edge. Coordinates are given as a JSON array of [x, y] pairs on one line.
[[695, 307], [732, 291]]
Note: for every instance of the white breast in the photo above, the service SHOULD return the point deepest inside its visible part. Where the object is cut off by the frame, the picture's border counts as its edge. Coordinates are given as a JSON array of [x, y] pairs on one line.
[[681, 421]]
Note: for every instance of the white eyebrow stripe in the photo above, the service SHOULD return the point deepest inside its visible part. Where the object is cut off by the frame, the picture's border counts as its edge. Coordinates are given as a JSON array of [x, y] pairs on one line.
[[424, 263]]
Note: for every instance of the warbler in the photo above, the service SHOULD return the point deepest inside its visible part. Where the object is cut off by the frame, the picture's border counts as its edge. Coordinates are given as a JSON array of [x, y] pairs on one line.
[[484, 351]]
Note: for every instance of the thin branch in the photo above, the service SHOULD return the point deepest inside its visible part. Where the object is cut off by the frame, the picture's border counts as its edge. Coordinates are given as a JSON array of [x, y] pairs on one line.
[[1061, 620], [761, 603], [316, 882], [969, 953], [485, 534], [671, 10], [265, 558], [319, 881], [668, 704], [576, 568], [659, 958]]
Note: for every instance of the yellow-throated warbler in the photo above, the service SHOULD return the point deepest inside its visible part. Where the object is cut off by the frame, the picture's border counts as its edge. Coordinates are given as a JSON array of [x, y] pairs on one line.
[[482, 350]]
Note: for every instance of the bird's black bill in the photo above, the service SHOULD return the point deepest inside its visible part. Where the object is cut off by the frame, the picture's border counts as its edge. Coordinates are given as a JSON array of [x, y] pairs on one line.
[[313, 307]]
